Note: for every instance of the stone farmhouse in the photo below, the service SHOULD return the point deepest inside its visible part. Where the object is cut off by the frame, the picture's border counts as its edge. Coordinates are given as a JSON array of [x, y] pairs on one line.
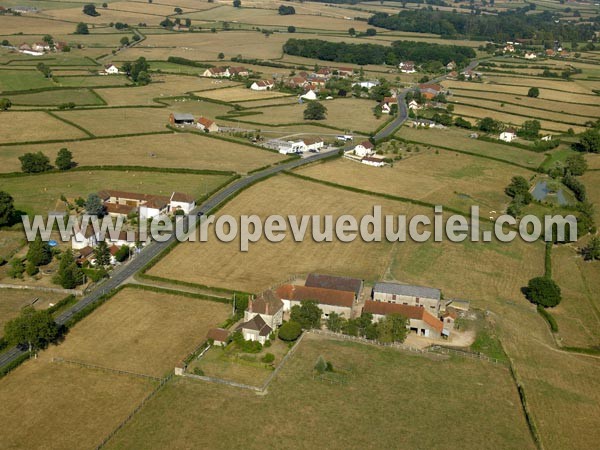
[[430, 91], [329, 300], [387, 104], [345, 284], [421, 322], [263, 315], [404, 294], [207, 125], [110, 69], [226, 72]]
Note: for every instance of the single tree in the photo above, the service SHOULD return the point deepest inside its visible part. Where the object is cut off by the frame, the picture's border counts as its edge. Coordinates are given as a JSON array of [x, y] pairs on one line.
[[82, 28], [221, 55], [291, 29], [178, 10], [371, 32], [237, 3], [124, 41], [90, 10], [592, 251], [94, 206], [16, 268], [519, 186], [533, 92], [69, 275], [543, 291], [34, 162], [188, 22], [289, 331], [351, 31], [36, 329], [102, 254], [123, 253], [576, 164], [5, 104], [392, 328], [589, 141], [320, 365], [307, 314], [315, 111], [39, 253], [335, 322], [64, 159], [7, 208]]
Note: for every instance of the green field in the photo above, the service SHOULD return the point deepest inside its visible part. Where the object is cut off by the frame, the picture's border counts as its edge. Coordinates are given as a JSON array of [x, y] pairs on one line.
[[57, 97]]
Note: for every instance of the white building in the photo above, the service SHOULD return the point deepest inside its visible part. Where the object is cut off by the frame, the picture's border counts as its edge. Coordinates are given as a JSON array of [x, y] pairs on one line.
[[310, 95], [314, 145], [262, 85], [365, 148], [110, 69], [508, 135], [414, 105], [292, 147], [366, 84], [373, 161], [182, 202], [263, 316], [84, 238], [530, 55]]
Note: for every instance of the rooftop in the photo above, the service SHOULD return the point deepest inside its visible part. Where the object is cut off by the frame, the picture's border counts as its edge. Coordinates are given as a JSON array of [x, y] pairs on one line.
[[334, 282], [407, 289], [410, 312], [320, 295]]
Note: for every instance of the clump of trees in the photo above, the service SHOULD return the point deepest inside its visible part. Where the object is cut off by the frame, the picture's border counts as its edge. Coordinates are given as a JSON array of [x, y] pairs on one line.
[[35, 162], [489, 125], [82, 28], [589, 141], [36, 329], [90, 10], [315, 111], [393, 328], [5, 104], [7, 208], [518, 189], [286, 10], [138, 71], [591, 252], [530, 129], [543, 291], [69, 274]]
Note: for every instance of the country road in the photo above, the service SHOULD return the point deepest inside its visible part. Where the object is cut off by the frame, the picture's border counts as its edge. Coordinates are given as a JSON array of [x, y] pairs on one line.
[[152, 250]]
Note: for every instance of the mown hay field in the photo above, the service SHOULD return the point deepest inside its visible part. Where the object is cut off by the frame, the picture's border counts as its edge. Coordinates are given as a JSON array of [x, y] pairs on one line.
[[560, 85], [47, 403], [142, 331], [593, 160], [162, 86], [240, 93], [22, 24], [459, 140], [10, 241], [20, 80], [107, 16], [448, 179], [119, 121], [13, 300], [56, 97], [482, 395], [92, 81], [37, 194], [19, 126], [181, 150], [347, 114], [547, 105]]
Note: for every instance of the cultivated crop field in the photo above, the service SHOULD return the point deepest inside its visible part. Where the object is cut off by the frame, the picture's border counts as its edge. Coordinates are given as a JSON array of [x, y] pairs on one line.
[[142, 331], [172, 150], [482, 395], [33, 394], [37, 194]]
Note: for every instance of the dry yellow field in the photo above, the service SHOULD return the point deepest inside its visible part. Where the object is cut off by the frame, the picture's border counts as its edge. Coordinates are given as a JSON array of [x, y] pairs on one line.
[[53, 405], [165, 86], [447, 179], [240, 94], [12, 300], [592, 184], [108, 122], [567, 86], [34, 126], [23, 24], [348, 114], [459, 140], [593, 160], [107, 15], [180, 150], [142, 331]]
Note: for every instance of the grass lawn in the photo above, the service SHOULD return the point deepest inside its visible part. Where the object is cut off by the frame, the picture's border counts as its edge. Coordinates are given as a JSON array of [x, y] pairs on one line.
[[57, 97], [38, 194], [18, 126], [34, 393], [378, 402], [177, 150], [142, 331]]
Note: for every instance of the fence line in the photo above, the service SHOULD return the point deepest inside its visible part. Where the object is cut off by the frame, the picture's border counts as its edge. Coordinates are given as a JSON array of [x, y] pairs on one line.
[[106, 369], [41, 288], [282, 363], [222, 381], [124, 422]]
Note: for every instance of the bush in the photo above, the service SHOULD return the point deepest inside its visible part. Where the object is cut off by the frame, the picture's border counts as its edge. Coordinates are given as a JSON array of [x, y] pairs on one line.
[[549, 318], [198, 371], [290, 331], [268, 358], [543, 291]]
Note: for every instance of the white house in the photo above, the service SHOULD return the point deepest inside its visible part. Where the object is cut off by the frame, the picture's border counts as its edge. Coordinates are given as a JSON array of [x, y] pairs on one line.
[[41, 47], [424, 123], [217, 72], [264, 314], [314, 145], [310, 95], [451, 65], [414, 105], [366, 84], [110, 69], [548, 137], [407, 67], [262, 85], [84, 238], [153, 208], [373, 161], [387, 103], [365, 148], [182, 202], [292, 147], [508, 135], [530, 55]]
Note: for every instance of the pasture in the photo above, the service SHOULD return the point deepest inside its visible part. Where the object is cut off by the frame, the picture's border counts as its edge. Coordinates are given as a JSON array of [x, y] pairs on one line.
[[13, 300], [118, 121], [240, 93], [591, 180], [34, 394], [176, 150], [57, 97], [35, 126], [142, 331], [20, 80], [37, 194], [299, 407]]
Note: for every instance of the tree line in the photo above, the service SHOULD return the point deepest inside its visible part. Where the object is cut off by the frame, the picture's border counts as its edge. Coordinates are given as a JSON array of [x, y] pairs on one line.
[[363, 54], [512, 24]]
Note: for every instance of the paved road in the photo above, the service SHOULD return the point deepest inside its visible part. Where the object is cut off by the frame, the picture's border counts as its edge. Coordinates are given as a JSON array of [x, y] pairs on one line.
[[121, 273]]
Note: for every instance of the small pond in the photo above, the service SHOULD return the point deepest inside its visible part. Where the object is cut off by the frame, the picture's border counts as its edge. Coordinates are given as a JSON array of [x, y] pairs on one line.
[[542, 190]]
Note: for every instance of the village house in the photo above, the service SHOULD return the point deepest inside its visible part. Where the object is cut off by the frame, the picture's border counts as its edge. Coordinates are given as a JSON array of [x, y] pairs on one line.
[[121, 239], [407, 67], [238, 72], [262, 85], [547, 138], [147, 205], [405, 294], [420, 321], [550, 53], [292, 147], [423, 123], [110, 69], [530, 55], [84, 238], [314, 144], [471, 74], [181, 202], [323, 72], [414, 105], [366, 84], [452, 75], [508, 48], [365, 148], [508, 135], [40, 47], [430, 91], [218, 336], [337, 283], [296, 82], [217, 72], [181, 119], [448, 320], [310, 95], [387, 103], [60, 46], [345, 72], [451, 66], [263, 315], [207, 125], [329, 300], [375, 161]]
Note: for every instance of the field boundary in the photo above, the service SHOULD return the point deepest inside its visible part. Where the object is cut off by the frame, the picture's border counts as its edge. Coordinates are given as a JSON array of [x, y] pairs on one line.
[[102, 368], [41, 288]]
